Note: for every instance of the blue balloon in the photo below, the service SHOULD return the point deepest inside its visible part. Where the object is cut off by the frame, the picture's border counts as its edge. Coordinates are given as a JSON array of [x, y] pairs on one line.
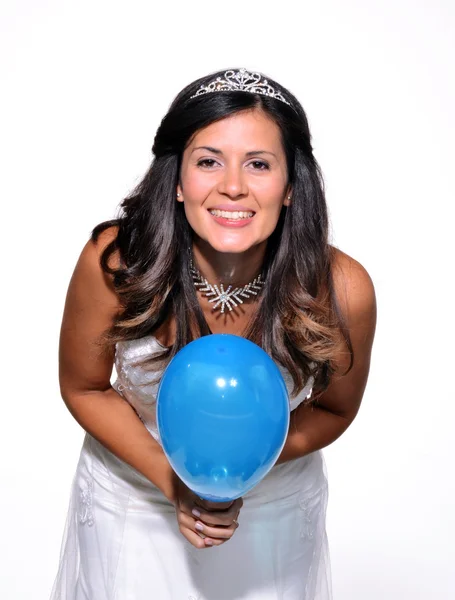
[[222, 415]]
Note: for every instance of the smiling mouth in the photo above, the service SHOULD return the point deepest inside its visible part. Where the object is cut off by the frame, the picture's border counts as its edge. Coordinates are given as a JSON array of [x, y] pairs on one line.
[[232, 215]]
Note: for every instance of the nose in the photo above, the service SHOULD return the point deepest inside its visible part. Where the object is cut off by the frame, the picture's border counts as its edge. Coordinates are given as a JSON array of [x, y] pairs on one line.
[[233, 183]]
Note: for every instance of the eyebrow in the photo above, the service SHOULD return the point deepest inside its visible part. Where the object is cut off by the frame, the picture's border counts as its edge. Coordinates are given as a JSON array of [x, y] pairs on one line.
[[217, 151]]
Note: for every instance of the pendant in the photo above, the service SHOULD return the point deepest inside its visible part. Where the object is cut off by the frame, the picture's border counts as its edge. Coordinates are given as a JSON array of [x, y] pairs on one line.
[[230, 297]]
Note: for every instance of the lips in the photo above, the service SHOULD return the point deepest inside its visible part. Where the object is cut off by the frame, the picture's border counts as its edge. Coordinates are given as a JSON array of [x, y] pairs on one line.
[[240, 217], [232, 215]]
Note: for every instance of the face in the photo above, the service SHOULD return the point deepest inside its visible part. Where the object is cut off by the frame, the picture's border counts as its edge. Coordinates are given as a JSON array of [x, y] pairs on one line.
[[233, 181]]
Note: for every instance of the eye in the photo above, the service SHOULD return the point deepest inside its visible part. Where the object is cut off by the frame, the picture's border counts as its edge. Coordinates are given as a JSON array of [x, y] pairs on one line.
[[206, 163], [259, 165]]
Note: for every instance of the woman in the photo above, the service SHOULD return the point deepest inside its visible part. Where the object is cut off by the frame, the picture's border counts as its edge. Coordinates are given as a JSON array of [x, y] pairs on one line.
[[234, 196]]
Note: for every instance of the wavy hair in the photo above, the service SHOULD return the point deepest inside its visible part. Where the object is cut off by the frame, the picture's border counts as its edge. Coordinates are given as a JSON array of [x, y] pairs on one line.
[[298, 322]]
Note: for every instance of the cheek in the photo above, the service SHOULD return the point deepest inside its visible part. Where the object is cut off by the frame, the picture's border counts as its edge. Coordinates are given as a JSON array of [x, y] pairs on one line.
[[195, 185], [271, 197], [195, 192]]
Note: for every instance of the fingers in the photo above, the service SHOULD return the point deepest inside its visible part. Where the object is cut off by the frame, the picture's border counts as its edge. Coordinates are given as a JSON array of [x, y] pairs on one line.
[[215, 519], [204, 523], [223, 518], [196, 540], [198, 534], [216, 533]]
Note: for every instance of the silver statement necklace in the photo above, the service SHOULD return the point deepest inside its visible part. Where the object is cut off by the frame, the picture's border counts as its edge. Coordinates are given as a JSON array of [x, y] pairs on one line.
[[230, 297]]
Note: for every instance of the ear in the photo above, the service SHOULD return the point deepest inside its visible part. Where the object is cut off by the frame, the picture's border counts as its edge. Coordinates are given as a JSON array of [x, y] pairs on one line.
[[288, 197], [179, 194]]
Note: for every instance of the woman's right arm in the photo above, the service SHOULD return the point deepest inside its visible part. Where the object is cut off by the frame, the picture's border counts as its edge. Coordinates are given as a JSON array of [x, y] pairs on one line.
[[85, 370]]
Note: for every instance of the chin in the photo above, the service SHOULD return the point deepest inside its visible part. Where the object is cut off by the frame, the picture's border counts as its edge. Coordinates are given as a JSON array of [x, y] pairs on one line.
[[231, 247]]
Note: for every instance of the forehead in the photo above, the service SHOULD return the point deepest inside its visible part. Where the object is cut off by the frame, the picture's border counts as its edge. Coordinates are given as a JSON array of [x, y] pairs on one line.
[[251, 129]]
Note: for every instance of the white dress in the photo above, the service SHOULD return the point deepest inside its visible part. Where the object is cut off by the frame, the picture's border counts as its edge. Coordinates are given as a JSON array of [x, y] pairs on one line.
[[122, 541]]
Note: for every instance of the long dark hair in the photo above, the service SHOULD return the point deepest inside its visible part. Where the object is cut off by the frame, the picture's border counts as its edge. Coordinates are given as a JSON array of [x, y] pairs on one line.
[[298, 321]]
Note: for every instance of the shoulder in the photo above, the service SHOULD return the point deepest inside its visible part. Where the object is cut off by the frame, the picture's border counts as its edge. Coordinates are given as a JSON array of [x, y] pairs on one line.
[[91, 307], [105, 235], [90, 259], [89, 278], [356, 300], [353, 286], [101, 240]]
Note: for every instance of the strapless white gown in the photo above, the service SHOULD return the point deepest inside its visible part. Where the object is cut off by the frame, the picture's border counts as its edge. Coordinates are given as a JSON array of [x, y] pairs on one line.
[[122, 541]]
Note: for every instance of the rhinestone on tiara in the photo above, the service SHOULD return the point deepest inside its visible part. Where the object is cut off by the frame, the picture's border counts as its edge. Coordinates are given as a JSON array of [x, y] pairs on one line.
[[241, 81]]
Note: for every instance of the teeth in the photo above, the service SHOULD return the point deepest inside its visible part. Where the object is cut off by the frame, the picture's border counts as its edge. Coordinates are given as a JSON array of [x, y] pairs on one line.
[[233, 215]]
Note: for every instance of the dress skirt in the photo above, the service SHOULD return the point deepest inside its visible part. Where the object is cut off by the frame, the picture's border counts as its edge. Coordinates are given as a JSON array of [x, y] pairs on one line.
[[122, 540]]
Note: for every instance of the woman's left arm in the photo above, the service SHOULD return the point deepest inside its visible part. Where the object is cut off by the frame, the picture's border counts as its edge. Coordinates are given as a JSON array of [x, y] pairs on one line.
[[313, 427]]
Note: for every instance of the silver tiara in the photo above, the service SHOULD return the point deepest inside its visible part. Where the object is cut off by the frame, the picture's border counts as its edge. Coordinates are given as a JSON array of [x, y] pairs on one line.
[[241, 81]]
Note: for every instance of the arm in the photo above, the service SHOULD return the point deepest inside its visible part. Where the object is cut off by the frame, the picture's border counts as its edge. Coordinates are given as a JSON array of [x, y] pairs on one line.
[[314, 427], [85, 371]]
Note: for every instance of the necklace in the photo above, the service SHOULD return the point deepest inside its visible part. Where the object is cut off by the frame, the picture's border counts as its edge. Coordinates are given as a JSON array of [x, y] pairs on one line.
[[230, 297]]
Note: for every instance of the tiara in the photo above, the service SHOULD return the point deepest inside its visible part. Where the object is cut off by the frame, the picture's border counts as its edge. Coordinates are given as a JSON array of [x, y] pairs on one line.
[[241, 81]]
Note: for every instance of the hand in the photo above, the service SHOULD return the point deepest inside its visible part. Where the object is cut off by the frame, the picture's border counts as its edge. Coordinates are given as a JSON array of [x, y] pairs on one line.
[[203, 523]]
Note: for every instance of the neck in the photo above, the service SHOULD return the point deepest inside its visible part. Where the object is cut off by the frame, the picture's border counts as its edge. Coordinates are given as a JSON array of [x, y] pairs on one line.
[[236, 269]]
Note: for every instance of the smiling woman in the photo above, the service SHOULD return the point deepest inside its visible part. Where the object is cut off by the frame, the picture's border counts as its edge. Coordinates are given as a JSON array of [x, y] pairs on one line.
[[233, 194], [232, 205]]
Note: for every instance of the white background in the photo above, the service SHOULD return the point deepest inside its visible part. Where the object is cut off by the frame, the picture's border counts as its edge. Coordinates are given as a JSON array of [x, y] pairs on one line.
[[85, 85]]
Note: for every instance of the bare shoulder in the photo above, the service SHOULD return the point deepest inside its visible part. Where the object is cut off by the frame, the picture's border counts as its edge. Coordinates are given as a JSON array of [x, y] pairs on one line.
[[354, 287], [103, 240], [91, 307], [107, 236], [356, 299], [88, 269]]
